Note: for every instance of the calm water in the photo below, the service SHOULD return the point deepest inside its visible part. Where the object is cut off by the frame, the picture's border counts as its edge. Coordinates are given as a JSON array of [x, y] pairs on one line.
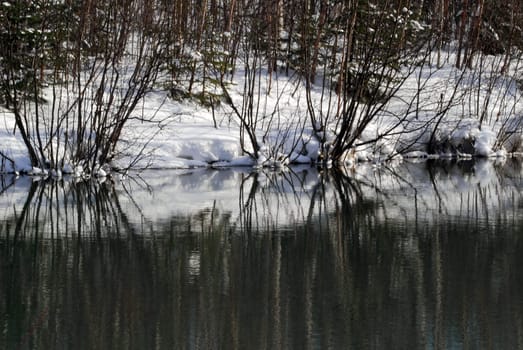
[[413, 256]]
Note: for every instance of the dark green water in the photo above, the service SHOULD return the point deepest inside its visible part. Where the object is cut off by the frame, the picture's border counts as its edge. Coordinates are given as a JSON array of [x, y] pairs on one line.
[[419, 256]]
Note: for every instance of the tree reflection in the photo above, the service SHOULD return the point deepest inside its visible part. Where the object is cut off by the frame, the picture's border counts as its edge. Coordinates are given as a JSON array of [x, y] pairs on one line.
[[417, 256]]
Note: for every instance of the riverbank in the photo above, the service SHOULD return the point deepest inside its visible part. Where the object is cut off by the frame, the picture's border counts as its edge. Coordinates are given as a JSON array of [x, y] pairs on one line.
[[437, 112]]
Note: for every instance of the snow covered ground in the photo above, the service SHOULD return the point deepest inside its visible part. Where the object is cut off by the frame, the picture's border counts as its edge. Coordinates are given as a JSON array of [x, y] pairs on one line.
[[191, 139], [188, 135]]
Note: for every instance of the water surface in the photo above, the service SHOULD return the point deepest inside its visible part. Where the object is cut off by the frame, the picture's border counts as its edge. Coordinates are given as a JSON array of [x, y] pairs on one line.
[[418, 255]]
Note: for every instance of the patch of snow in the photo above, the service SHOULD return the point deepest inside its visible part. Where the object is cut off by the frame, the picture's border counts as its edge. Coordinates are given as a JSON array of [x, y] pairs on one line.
[[100, 172], [35, 171], [484, 142], [416, 154]]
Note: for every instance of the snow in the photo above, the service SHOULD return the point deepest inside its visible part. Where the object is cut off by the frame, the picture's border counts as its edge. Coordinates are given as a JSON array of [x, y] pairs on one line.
[[169, 134], [484, 142], [416, 25], [416, 154]]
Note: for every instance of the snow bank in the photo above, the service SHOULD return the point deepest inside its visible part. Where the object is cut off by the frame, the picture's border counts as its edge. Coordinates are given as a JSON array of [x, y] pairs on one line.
[[186, 135]]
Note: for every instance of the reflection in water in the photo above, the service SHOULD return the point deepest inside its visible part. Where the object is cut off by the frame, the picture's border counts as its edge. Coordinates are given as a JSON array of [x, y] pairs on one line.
[[415, 256]]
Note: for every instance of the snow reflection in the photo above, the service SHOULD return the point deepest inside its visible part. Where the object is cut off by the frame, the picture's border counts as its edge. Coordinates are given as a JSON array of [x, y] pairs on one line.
[[192, 199], [415, 255]]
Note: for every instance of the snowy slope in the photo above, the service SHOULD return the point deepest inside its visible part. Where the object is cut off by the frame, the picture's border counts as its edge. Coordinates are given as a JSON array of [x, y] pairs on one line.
[[183, 134]]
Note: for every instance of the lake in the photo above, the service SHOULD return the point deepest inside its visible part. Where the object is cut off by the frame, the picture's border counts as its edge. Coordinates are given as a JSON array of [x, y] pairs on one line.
[[412, 255]]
